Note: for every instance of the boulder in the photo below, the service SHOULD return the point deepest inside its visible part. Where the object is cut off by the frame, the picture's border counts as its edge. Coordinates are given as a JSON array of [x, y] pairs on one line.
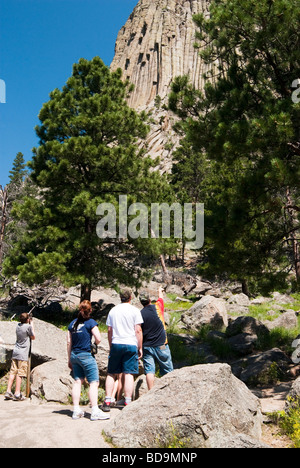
[[257, 368], [201, 288], [287, 320], [239, 299], [293, 398], [260, 300], [209, 310], [282, 298], [52, 381], [243, 343], [238, 304], [204, 406], [248, 325]]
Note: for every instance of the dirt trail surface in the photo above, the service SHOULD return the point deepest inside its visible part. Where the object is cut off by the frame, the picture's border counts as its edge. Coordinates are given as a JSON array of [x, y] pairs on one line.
[[49, 425]]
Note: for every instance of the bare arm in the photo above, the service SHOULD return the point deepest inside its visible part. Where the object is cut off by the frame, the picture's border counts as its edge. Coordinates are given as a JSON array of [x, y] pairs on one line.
[[69, 347], [32, 337], [160, 292], [139, 337], [96, 335], [110, 334]]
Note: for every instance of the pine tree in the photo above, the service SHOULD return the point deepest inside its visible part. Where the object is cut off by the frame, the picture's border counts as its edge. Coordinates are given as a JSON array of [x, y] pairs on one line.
[[247, 125], [8, 195], [18, 171], [88, 155]]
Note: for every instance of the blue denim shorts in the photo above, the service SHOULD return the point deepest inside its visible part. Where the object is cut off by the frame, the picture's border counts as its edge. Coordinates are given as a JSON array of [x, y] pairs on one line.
[[84, 366], [123, 359], [159, 354]]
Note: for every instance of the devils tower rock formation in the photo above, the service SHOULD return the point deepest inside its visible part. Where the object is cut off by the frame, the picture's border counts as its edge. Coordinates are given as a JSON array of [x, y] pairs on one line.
[[156, 45]]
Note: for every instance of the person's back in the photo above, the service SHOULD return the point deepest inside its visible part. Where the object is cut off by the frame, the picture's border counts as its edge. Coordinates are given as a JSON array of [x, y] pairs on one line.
[[125, 339], [122, 319], [82, 335], [23, 333], [155, 342], [20, 356], [154, 329]]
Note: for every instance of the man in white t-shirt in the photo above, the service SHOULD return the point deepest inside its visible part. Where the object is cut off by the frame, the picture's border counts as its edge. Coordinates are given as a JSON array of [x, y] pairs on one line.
[[125, 338]]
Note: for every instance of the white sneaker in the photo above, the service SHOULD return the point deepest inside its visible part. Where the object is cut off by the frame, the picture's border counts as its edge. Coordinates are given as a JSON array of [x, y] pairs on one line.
[[77, 414], [99, 415]]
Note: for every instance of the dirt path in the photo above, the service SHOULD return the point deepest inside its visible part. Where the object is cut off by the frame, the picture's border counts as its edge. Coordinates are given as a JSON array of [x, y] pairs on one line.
[[28, 425], [272, 400]]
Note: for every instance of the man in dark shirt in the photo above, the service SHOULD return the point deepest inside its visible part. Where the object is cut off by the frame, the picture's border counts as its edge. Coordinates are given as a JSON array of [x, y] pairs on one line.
[[155, 341]]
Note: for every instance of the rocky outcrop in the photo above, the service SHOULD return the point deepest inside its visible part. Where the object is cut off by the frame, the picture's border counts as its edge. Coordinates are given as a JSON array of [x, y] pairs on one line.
[[204, 406], [155, 46]]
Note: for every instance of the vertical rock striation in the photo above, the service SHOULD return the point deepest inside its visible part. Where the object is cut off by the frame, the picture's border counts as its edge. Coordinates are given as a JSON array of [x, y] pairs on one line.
[[156, 45]]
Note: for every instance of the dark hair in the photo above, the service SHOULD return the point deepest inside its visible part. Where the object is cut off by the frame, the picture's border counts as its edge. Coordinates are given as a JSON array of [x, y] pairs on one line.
[[145, 302], [145, 298], [85, 310], [24, 317]]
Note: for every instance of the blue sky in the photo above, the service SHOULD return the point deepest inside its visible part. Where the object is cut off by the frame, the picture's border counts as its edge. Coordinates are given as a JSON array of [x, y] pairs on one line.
[[40, 42]]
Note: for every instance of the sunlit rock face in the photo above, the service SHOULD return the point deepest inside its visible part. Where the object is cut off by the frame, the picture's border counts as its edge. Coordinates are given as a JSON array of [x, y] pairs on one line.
[[156, 45]]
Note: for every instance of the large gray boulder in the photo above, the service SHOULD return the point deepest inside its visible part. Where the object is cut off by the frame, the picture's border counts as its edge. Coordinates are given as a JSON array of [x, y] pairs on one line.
[[208, 311], [204, 406], [238, 304], [286, 320], [246, 324], [294, 395], [262, 367]]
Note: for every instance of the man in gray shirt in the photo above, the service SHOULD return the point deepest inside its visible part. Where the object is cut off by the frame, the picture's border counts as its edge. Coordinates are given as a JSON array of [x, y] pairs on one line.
[[19, 365]]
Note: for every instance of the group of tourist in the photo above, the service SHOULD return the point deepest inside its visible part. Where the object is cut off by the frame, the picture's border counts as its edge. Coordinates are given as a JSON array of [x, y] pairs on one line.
[[133, 334]]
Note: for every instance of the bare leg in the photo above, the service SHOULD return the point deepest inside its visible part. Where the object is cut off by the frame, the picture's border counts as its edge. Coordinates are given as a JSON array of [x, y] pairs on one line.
[[110, 384], [10, 382], [18, 385], [93, 394], [150, 380], [128, 385], [76, 392]]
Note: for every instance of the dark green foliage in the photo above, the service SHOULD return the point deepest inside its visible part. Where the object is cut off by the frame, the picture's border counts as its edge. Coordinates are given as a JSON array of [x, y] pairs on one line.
[[242, 137], [88, 155], [18, 171]]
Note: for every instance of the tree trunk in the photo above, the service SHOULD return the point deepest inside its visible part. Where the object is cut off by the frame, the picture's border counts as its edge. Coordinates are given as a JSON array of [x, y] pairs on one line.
[[4, 193], [245, 289], [293, 235], [86, 292]]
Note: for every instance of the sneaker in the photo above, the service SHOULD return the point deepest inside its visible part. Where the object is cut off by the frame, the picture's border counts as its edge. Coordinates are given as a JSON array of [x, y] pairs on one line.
[[106, 407], [8, 396], [77, 414], [121, 403], [99, 415], [19, 397]]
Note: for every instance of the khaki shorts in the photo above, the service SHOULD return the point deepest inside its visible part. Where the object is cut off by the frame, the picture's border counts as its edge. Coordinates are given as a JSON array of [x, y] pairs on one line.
[[19, 368]]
